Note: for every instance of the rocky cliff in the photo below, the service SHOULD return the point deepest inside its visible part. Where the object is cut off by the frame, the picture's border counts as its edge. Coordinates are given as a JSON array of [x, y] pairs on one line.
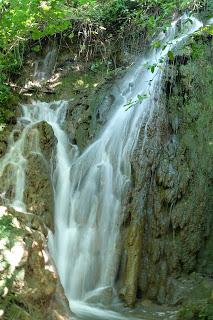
[[29, 284], [168, 225]]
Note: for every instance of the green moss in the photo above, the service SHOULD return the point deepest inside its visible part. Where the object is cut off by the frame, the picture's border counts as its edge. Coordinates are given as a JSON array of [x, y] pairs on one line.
[[77, 82], [190, 101], [197, 311], [8, 106]]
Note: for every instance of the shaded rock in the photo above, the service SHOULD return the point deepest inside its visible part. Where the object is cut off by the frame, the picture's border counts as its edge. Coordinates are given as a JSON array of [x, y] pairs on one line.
[[3, 147], [89, 111], [103, 296], [171, 195], [7, 187], [38, 193], [40, 138], [46, 138], [131, 263], [4, 135]]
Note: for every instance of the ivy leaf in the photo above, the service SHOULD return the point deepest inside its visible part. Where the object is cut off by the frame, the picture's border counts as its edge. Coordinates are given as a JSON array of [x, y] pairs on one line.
[[156, 44], [36, 48], [152, 68], [141, 97], [170, 55], [71, 35]]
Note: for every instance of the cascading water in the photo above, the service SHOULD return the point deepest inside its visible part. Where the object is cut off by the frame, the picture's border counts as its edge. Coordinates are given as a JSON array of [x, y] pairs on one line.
[[89, 188], [44, 68], [86, 240]]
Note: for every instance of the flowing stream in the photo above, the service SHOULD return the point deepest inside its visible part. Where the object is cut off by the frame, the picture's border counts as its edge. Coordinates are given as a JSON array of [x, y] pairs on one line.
[[89, 188]]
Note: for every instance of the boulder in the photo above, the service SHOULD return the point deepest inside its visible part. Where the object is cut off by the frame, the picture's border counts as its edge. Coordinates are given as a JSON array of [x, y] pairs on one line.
[[28, 275], [47, 139], [40, 138], [102, 295]]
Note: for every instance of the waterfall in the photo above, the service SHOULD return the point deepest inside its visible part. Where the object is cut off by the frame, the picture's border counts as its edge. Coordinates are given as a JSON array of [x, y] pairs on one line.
[[43, 69], [89, 211], [90, 188]]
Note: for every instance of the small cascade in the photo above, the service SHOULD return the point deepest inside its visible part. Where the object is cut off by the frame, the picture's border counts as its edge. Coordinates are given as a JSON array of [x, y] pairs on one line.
[[90, 188], [44, 68], [13, 164]]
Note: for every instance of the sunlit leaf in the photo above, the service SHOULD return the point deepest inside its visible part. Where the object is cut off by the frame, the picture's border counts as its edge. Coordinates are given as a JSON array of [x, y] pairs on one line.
[[170, 55]]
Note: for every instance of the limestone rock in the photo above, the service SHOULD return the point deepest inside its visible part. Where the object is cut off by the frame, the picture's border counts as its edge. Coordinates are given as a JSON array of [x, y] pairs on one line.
[[47, 139], [4, 134], [32, 281], [40, 138], [103, 296], [7, 187], [171, 194], [38, 193]]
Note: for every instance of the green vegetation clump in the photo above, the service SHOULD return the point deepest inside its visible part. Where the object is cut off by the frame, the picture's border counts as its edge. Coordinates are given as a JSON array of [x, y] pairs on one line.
[[197, 311], [93, 25]]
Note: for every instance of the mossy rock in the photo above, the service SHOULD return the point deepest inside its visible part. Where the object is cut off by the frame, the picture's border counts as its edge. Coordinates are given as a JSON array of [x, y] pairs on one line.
[[197, 311], [16, 312]]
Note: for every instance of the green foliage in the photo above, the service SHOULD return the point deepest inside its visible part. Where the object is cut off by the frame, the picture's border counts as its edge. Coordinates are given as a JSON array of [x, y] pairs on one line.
[[198, 311], [7, 230], [91, 23], [170, 55], [32, 20], [23, 20], [132, 103]]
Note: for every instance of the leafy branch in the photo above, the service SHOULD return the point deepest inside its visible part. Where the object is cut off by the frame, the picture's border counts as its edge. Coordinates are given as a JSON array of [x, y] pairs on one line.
[[132, 103]]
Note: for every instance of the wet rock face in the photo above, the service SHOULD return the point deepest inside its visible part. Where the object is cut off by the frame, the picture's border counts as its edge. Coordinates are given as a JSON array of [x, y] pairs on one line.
[[40, 139], [3, 147], [47, 140], [38, 193], [4, 134], [78, 121], [85, 117], [37, 148], [170, 202], [7, 187], [89, 111]]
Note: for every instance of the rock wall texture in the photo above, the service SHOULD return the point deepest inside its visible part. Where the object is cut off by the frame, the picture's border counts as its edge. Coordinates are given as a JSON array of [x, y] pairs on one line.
[[38, 193], [168, 224], [29, 285]]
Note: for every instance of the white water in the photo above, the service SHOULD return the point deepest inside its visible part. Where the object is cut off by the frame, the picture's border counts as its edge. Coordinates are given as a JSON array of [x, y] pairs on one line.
[[90, 188], [43, 69]]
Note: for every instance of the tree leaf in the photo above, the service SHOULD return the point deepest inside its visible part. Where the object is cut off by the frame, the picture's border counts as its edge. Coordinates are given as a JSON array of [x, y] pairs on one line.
[[152, 69], [170, 55]]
